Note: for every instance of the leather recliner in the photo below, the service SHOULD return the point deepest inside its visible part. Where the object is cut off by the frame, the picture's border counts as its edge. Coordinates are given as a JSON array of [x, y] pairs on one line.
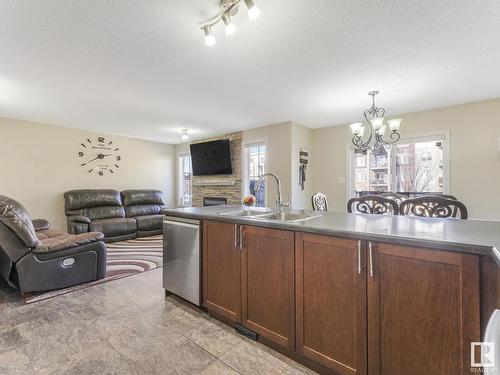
[[147, 207], [93, 210], [34, 257]]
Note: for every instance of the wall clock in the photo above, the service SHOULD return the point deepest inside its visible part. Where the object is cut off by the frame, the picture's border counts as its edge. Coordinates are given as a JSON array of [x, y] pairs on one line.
[[100, 156]]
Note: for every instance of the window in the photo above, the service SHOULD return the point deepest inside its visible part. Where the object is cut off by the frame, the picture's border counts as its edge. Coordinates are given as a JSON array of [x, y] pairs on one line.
[[185, 180], [254, 166], [371, 171], [410, 166]]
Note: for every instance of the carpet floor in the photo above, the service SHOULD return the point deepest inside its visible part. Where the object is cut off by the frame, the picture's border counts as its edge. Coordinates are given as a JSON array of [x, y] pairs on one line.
[[125, 258]]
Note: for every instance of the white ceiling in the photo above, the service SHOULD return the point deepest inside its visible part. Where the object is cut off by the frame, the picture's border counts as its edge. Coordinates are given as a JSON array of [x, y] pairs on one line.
[[140, 68]]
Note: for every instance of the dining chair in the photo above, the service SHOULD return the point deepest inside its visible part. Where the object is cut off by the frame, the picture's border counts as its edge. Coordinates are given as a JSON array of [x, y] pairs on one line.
[[373, 204], [433, 206], [319, 202]]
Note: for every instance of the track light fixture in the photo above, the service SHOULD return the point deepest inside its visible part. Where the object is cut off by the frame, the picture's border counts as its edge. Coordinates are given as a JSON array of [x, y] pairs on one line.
[[230, 28], [184, 135], [227, 9], [209, 37], [253, 10]]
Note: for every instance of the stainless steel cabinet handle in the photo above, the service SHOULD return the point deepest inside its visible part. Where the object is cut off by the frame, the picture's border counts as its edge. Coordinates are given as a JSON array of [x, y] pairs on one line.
[[370, 249], [359, 256], [241, 236], [235, 235]]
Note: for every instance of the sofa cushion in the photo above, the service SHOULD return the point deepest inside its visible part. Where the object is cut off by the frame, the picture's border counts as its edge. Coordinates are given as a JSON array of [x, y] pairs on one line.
[[67, 241], [51, 233], [142, 197], [150, 222], [114, 227], [144, 209], [105, 212], [87, 198], [15, 217]]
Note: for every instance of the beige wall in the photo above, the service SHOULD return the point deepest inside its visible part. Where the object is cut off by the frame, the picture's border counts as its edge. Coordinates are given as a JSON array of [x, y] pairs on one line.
[[474, 155], [40, 162]]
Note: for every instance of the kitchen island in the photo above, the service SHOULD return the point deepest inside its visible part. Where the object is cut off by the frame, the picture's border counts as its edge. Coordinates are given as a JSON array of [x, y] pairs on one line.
[[353, 293]]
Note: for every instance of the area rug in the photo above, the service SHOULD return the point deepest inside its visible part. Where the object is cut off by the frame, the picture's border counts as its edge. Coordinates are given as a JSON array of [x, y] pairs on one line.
[[125, 258]]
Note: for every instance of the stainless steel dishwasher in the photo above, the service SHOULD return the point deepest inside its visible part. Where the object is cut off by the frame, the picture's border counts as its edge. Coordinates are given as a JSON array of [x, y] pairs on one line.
[[181, 258]]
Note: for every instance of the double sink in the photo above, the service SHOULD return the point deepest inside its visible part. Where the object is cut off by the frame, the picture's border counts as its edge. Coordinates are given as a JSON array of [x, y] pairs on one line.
[[266, 215]]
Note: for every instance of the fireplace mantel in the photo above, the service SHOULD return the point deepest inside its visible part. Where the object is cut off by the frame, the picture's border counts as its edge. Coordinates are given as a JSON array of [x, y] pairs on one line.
[[215, 183]]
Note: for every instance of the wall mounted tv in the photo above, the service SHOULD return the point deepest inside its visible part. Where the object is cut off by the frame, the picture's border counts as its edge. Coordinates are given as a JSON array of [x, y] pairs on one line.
[[209, 158]]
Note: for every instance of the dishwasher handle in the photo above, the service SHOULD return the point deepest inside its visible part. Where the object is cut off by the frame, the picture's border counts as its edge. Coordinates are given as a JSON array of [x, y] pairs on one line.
[[182, 224]]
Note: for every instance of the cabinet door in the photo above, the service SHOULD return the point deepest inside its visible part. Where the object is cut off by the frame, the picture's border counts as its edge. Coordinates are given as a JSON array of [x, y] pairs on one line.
[[331, 302], [268, 284], [423, 311], [222, 270]]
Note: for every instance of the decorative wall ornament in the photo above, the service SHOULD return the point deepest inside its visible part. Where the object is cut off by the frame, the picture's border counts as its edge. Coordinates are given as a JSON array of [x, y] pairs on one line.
[[376, 129], [100, 156], [303, 161]]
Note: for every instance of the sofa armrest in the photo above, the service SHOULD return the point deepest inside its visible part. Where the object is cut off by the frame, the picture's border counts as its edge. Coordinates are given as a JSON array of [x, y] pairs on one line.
[[56, 244], [40, 224], [79, 219]]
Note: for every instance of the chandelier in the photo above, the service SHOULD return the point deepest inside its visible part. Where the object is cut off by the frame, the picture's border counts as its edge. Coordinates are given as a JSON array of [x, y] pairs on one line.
[[375, 139], [227, 9]]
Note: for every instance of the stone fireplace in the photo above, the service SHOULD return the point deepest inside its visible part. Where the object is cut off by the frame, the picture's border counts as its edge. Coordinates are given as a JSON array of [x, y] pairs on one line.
[[221, 186]]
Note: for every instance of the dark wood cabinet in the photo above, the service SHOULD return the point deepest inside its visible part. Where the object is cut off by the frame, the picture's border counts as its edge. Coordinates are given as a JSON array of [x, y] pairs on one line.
[[331, 302], [268, 284], [222, 269], [423, 311], [350, 307]]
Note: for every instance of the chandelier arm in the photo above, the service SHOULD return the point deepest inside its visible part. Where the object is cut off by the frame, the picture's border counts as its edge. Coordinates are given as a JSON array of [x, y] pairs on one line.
[[393, 138]]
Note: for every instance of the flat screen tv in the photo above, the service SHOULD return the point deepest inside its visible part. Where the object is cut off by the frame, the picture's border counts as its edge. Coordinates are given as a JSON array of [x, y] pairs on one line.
[[211, 158]]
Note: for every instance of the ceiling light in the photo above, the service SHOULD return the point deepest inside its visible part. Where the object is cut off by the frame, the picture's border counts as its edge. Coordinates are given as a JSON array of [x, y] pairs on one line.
[[230, 28], [253, 10], [185, 135], [227, 9], [209, 37], [376, 129]]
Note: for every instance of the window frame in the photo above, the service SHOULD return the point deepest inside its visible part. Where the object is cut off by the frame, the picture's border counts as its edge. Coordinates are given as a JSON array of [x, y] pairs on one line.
[[245, 175], [180, 187], [443, 136]]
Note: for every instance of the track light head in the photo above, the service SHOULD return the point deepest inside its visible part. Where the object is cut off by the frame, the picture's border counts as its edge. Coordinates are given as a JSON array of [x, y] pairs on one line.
[[209, 36], [253, 10], [230, 28], [185, 135]]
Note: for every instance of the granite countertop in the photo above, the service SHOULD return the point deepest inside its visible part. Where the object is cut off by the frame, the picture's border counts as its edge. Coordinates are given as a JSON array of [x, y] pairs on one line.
[[470, 236]]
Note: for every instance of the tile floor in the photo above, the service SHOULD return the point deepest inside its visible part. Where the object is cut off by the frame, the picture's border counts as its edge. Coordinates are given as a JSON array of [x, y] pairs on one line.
[[123, 327]]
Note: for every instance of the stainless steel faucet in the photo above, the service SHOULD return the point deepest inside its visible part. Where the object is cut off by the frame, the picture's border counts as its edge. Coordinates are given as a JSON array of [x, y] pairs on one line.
[[279, 201]]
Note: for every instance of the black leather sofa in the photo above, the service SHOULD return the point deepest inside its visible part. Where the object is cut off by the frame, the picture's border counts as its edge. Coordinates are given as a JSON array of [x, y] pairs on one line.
[[34, 257], [147, 207], [119, 216]]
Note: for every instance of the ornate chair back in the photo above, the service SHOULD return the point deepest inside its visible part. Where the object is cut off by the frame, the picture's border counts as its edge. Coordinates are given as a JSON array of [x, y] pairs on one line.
[[373, 204], [319, 202], [433, 206]]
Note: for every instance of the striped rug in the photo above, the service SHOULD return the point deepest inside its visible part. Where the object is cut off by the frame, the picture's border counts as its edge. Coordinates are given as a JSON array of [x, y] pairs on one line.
[[125, 258]]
